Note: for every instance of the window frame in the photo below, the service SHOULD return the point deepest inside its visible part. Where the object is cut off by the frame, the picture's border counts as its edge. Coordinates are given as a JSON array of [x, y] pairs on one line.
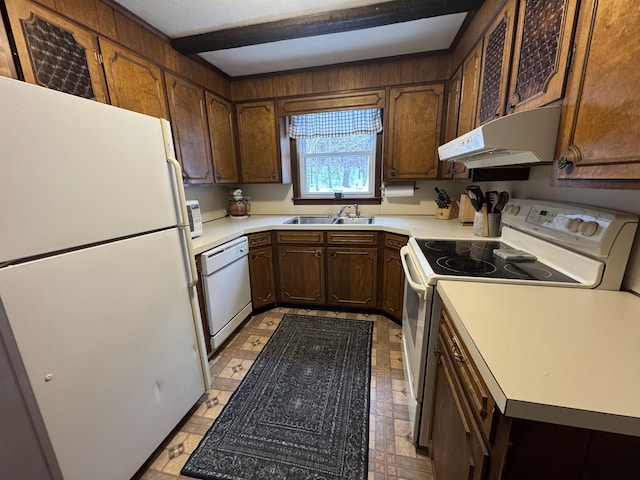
[[376, 199]]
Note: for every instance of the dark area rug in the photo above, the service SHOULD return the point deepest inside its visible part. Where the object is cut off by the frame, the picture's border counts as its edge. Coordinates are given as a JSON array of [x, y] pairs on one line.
[[302, 410]]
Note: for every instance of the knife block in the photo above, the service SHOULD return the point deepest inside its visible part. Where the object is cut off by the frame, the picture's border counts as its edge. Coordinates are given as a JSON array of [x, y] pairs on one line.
[[467, 211], [448, 213]]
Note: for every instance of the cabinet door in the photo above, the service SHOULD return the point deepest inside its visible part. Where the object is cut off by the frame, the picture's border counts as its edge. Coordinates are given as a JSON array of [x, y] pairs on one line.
[[55, 53], [258, 141], [7, 67], [413, 132], [600, 126], [190, 129], [221, 135], [301, 274], [393, 281], [134, 83], [469, 90], [351, 275], [496, 59], [263, 289], [541, 52], [451, 123], [458, 452]]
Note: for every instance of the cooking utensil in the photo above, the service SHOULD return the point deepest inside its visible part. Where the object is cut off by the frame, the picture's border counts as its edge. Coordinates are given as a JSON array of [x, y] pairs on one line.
[[476, 196], [492, 199], [503, 198]]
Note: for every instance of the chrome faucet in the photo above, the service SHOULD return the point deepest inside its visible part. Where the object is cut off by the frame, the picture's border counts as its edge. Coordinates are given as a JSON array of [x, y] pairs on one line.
[[354, 206]]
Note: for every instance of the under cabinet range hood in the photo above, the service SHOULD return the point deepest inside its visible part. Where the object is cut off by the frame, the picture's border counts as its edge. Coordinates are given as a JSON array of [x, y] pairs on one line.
[[522, 138]]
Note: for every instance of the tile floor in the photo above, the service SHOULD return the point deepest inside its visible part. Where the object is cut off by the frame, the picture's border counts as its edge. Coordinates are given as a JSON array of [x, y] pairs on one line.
[[392, 455]]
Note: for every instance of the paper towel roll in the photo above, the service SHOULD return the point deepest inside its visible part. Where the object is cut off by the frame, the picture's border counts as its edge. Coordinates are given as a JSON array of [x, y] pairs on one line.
[[393, 191]]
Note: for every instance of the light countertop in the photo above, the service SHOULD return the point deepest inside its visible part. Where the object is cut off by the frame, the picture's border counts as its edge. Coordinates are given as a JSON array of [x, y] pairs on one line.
[[560, 355], [222, 230]]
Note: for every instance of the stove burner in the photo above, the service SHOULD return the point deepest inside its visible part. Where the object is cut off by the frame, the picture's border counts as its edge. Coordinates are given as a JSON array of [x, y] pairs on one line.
[[466, 265], [445, 246], [475, 258], [528, 270]]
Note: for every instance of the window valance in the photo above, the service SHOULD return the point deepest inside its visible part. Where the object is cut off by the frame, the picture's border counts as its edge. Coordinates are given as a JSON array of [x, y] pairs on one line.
[[335, 124]]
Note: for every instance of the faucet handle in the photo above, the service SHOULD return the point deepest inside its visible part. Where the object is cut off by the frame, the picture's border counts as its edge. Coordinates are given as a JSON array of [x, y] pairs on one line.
[[357, 208]]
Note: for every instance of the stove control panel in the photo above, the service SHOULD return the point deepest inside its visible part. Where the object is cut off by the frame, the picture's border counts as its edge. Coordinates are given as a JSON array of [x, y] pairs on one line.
[[578, 227]]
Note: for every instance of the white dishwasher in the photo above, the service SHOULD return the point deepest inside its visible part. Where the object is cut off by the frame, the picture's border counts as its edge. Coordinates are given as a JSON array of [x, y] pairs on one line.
[[225, 278]]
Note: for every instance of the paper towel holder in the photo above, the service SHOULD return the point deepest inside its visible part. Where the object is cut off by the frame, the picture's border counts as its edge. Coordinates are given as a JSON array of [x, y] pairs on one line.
[[412, 185]]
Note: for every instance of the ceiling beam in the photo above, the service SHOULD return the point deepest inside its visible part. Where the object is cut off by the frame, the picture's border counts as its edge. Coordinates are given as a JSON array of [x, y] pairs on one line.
[[322, 23]]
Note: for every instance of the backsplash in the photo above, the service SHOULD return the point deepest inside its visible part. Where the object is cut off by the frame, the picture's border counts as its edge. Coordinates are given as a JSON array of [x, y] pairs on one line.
[[277, 199]]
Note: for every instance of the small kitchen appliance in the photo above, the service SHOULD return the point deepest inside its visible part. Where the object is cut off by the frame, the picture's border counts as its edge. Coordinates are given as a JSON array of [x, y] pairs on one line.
[[195, 218], [542, 243], [239, 205]]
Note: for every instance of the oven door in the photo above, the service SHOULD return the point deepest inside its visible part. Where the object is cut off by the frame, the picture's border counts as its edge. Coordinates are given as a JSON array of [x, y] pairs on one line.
[[418, 296]]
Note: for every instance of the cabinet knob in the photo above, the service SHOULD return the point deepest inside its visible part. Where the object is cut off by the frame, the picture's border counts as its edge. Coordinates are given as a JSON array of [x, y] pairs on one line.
[[273, 176], [393, 173], [318, 254], [218, 176], [565, 164]]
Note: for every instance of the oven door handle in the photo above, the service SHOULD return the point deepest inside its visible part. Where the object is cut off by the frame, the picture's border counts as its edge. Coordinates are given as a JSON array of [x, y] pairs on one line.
[[415, 286]]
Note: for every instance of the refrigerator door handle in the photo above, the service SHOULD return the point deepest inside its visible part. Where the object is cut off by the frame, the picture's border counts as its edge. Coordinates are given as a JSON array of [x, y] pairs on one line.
[[184, 228]]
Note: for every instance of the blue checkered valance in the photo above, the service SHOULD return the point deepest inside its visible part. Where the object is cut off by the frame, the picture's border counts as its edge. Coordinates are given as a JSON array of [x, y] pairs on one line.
[[336, 124]]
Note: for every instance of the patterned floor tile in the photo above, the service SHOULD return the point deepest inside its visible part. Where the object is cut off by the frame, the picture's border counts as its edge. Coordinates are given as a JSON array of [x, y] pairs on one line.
[[392, 455]]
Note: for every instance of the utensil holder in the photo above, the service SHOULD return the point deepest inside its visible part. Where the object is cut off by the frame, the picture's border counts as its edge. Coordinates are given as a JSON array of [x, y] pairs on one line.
[[493, 222], [448, 213]]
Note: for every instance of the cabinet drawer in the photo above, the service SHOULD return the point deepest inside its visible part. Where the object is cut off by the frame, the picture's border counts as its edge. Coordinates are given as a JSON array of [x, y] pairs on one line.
[[259, 239], [352, 238], [482, 403], [394, 241], [299, 236]]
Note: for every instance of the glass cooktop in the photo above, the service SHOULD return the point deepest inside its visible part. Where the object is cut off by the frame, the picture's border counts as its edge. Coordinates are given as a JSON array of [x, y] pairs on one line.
[[475, 258]]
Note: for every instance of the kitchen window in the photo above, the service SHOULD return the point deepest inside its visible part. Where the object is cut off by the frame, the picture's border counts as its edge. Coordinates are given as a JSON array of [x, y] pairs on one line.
[[338, 156]]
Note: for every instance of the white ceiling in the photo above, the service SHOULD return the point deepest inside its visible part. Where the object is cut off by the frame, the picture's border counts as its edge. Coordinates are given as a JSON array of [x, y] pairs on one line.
[[179, 18]]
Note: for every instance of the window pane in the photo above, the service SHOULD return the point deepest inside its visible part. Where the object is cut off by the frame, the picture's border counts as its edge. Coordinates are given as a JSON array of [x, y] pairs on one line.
[[335, 164]]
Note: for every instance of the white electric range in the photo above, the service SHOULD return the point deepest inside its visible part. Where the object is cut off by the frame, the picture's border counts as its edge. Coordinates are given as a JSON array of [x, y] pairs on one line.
[[542, 243]]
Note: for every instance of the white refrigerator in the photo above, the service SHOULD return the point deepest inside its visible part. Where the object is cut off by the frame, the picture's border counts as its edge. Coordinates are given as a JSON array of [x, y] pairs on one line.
[[98, 309]]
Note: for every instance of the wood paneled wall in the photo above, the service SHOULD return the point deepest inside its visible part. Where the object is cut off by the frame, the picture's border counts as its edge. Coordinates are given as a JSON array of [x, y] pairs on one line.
[[403, 70]]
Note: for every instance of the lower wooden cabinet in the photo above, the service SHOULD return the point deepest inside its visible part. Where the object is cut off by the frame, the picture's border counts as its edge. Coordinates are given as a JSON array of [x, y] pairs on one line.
[[458, 450], [392, 292], [301, 271], [352, 268], [263, 284], [471, 439], [351, 276], [337, 268]]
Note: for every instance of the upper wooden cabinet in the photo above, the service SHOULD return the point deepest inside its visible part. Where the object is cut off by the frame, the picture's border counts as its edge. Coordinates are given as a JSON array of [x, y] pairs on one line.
[[7, 67], [259, 139], [134, 82], [541, 52], [222, 136], [190, 129], [469, 90], [56, 53], [498, 44], [447, 169], [412, 132], [599, 142]]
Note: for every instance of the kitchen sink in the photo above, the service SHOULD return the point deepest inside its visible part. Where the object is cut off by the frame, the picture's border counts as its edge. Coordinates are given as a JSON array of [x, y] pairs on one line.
[[329, 221], [354, 221], [310, 220]]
